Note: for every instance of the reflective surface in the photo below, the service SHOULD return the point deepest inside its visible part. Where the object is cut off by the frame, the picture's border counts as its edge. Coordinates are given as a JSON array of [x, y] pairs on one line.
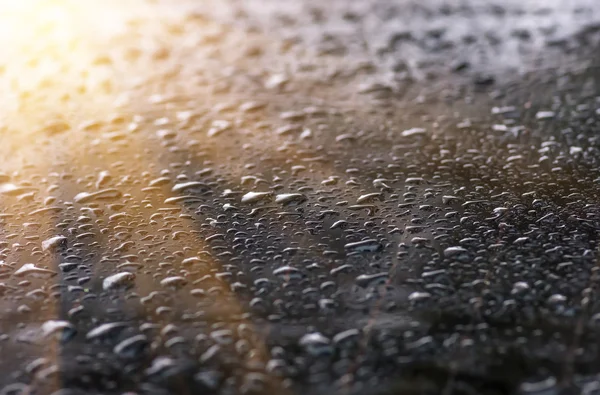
[[277, 198]]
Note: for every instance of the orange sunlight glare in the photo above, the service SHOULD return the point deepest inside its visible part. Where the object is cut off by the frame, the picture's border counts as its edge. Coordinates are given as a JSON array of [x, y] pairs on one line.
[[48, 47]]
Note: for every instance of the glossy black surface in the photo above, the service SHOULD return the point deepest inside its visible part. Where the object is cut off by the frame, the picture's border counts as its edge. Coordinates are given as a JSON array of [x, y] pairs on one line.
[[282, 198]]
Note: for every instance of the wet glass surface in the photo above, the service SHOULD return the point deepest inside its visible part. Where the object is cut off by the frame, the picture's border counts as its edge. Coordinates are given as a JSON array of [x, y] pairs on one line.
[[354, 197]]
